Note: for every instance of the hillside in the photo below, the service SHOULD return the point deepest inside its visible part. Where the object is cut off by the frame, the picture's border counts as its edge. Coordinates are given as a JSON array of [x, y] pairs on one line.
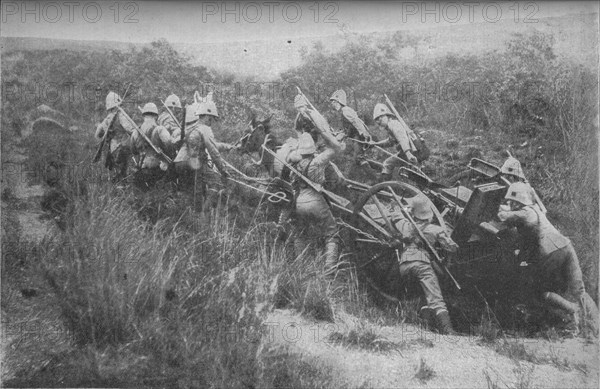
[[575, 37]]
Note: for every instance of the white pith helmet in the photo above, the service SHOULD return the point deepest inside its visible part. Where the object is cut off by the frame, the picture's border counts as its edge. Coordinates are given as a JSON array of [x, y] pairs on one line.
[[512, 166], [150, 108], [190, 112], [519, 192], [421, 207], [173, 101], [112, 100], [306, 144], [380, 110], [207, 108], [339, 96]]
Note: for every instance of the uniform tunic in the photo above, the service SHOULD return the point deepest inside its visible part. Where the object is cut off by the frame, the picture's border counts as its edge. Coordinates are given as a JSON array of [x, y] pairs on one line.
[[199, 143], [553, 256], [312, 210], [158, 135], [165, 120], [120, 147], [415, 260], [354, 128], [399, 137], [121, 130]]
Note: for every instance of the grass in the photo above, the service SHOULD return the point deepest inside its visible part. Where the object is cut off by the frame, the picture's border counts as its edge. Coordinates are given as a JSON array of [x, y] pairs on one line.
[[424, 372]]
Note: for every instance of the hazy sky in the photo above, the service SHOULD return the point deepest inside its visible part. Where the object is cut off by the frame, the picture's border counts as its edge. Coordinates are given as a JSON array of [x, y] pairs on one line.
[[145, 21]]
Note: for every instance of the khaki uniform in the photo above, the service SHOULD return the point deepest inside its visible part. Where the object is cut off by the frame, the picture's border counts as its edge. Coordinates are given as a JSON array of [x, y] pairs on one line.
[[158, 135], [313, 215], [354, 128], [415, 260], [399, 137], [165, 120], [120, 146], [554, 259], [192, 161]]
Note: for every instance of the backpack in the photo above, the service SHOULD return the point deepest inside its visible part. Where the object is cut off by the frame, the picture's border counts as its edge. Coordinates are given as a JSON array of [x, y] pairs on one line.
[[423, 151]]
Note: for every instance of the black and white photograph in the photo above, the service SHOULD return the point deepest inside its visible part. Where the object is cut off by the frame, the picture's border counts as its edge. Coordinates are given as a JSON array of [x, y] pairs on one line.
[[299, 194]]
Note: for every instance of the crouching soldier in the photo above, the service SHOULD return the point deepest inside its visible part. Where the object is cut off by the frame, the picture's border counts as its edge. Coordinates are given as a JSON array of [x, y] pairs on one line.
[[313, 216], [415, 261], [117, 130], [398, 136], [555, 263], [152, 167], [199, 152], [353, 127]]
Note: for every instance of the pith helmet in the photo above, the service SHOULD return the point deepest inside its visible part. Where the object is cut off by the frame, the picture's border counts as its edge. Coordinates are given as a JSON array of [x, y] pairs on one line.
[[173, 101], [112, 100], [380, 110], [512, 166], [190, 113], [207, 108], [421, 207], [520, 192], [150, 108], [300, 101], [306, 144], [339, 96]]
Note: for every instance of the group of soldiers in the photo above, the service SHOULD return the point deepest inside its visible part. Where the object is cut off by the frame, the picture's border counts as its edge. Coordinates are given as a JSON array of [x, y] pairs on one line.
[[189, 148]]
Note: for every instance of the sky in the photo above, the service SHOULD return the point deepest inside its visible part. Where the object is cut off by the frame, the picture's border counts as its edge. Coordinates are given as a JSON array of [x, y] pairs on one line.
[[203, 22]]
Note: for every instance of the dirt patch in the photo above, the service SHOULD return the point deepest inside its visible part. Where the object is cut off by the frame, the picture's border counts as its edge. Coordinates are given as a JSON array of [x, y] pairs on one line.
[[455, 361]]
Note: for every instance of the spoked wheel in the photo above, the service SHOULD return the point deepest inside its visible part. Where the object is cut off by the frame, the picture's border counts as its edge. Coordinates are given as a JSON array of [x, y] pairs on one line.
[[378, 209]]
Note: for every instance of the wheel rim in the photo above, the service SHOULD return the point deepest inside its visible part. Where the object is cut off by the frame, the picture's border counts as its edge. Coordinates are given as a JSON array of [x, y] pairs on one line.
[[385, 197]]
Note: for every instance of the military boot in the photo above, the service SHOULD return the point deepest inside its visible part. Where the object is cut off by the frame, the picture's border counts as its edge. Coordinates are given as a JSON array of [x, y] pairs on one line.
[[444, 324], [428, 316], [332, 252], [557, 301]]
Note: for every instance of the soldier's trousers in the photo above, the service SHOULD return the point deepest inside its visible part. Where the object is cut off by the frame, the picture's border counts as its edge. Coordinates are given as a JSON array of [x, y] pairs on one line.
[[392, 163], [560, 272], [424, 273], [315, 222], [202, 184]]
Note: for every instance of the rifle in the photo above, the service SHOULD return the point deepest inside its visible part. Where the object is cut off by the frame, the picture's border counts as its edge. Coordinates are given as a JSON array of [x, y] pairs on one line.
[[338, 201], [171, 114], [428, 245], [389, 102], [182, 137], [330, 130], [103, 141], [317, 187], [156, 149]]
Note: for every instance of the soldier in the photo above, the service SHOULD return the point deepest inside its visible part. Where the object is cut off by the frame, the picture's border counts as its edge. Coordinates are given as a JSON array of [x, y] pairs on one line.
[[151, 166], [167, 121], [415, 261], [313, 215], [118, 136], [512, 171], [397, 136], [352, 125], [193, 157], [555, 262]]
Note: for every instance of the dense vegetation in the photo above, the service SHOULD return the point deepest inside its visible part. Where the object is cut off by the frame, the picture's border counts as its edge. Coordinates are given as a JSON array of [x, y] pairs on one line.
[[138, 290]]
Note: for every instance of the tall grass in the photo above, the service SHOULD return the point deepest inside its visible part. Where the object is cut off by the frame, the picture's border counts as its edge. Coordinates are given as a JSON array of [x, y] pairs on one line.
[[186, 300]]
